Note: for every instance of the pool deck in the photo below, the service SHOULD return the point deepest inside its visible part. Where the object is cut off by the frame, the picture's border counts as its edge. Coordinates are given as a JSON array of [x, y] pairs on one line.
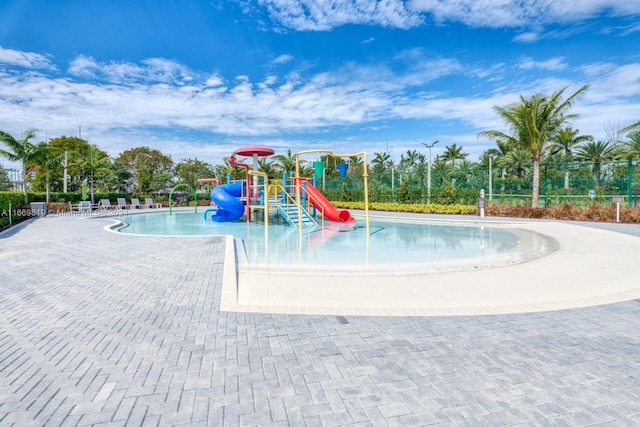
[[103, 329]]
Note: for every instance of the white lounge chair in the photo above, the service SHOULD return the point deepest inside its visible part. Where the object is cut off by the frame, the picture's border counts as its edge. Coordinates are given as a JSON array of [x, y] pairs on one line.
[[122, 203], [84, 206], [135, 204], [149, 203], [106, 204]]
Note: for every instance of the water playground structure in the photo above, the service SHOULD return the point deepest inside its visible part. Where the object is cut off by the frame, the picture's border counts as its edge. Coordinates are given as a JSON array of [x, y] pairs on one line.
[[296, 199]]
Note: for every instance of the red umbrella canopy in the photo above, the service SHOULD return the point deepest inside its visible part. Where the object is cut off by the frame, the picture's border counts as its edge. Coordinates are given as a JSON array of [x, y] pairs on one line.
[[250, 150]]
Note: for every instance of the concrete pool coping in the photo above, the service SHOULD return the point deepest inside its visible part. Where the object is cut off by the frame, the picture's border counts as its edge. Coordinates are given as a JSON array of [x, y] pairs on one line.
[[592, 266]]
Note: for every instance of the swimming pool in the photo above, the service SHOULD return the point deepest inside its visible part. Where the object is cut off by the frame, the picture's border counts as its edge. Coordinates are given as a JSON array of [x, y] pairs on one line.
[[391, 244]]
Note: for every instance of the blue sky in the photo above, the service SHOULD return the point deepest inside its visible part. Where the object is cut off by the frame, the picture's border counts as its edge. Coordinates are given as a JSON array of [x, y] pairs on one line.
[[203, 78]]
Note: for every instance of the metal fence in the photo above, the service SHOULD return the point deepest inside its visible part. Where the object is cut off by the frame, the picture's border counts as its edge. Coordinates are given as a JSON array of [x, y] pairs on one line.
[[579, 183]]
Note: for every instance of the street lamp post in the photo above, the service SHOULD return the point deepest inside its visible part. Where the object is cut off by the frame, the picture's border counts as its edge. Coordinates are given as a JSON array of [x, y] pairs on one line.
[[429, 146]]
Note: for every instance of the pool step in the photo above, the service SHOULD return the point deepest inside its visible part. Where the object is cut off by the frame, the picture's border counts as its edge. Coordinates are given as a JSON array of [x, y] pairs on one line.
[[290, 214]]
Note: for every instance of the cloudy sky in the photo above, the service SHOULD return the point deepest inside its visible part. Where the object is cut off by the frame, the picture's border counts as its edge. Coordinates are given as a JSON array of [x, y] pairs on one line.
[[203, 78]]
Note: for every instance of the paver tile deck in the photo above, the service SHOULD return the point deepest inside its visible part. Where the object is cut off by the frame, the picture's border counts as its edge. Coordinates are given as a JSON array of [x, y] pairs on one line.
[[105, 329]]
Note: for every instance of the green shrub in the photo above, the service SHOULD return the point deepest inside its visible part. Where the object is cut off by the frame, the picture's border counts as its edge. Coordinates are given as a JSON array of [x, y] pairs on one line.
[[15, 198], [414, 208]]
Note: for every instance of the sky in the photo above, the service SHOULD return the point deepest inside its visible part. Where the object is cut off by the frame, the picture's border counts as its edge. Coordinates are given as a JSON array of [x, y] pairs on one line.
[[200, 79]]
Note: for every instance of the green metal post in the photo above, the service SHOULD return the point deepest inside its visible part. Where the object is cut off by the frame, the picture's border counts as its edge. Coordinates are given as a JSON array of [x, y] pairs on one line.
[[630, 182], [546, 189], [195, 197]]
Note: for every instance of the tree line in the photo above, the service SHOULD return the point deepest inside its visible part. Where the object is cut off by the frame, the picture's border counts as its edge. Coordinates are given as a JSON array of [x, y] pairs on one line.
[[539, 132]]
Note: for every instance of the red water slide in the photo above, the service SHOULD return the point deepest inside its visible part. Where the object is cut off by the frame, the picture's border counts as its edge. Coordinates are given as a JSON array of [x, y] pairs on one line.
[[330, 212]]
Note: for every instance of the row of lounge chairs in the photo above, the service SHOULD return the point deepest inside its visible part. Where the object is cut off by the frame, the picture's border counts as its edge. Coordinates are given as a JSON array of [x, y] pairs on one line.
[[122, 204], [105, 204]]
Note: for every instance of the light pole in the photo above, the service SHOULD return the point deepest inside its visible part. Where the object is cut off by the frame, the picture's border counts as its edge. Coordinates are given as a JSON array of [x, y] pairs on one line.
[[429, 170], [66, 165]]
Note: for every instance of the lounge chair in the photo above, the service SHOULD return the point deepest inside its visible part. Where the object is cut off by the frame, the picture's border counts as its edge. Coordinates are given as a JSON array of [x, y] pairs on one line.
[[82, 207], [106, 204], [122, 203], [149, 203], [135, 204]]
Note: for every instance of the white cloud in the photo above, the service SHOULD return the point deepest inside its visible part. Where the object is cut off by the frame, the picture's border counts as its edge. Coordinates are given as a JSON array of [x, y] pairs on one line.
[[528, 37], [117, 116], [150, 70], [518, 13], [553, 64], [282, 59], [322, 15], [25, 59]]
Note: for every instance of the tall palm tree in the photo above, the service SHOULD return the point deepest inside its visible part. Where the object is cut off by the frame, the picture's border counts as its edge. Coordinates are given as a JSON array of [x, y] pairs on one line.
[[20, 150], [93, 162], [47, 159], [381, 162], [452, 153], [533, 123], [497, 155], [410, 160], [597, 152], [565, 141]]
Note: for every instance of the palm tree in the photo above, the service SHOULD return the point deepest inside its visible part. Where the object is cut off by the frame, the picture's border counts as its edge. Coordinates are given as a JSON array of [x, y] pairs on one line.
[[46, 159], [564, 143], [267, 166], [356, 165], [597, 152], [632, 147], [93, 162], [533, 123], [286, 163], [226, 168], [452, 153], [518, 161], [440, 169], [631, 128], [20, 150], [408, 162], [381, 162]]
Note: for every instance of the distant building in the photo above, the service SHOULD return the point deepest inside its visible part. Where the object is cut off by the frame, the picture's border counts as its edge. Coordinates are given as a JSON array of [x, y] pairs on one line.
[[15, 179]]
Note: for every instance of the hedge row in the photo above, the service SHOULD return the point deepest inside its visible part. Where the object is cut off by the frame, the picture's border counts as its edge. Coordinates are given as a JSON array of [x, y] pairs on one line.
[[413, 208], [15, 198]]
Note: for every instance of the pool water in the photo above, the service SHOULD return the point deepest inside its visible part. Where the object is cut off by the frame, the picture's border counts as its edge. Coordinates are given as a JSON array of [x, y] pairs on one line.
[[413, 246]]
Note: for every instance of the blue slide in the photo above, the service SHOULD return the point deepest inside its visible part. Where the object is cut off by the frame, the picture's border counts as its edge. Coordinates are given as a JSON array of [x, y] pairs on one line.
[[226, 197]]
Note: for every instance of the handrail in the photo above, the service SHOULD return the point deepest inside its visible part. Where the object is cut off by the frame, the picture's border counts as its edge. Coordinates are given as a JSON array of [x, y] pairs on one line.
[[311, 198], [365, 175], [195, 197], [289, 197]]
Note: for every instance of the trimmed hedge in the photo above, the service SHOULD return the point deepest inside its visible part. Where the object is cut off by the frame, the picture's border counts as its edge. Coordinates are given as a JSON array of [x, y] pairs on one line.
[[413, 208], [16, 206]]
